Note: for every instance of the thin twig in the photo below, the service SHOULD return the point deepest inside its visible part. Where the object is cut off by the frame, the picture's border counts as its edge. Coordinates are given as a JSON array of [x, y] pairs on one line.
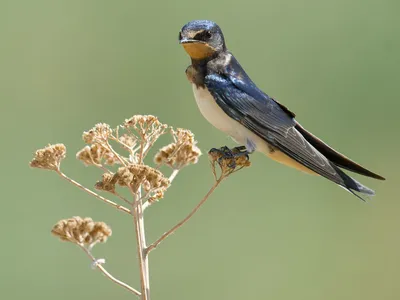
[[146, 204], [104, 169], [173, 175], [120, 158], [115, 205], [126, 147], [141, 153], [122, 198], [145, 196], [107, 274], [178, 225], [100, 166], [152, 141]]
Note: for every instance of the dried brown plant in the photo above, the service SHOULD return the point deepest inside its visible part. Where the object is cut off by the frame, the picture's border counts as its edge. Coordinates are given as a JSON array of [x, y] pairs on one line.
[[82, 231], [126, 169]]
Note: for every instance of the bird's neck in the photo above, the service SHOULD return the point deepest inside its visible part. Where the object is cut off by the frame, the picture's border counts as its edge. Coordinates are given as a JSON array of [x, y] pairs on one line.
[[197, 71], [200, 63], [200, 68]]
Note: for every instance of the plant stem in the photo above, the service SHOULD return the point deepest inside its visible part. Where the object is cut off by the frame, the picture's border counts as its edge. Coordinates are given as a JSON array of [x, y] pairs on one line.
[[187, 218], [137, 212], [122, 198], [120, 158], [173, 175], [115, 205], [107, 274]]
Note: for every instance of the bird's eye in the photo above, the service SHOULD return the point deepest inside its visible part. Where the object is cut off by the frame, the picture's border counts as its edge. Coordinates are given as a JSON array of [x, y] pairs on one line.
[[203, 36], [207, 34]]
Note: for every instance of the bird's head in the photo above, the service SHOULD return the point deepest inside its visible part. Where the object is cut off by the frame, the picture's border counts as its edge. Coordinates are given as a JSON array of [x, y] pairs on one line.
[[202, 39]]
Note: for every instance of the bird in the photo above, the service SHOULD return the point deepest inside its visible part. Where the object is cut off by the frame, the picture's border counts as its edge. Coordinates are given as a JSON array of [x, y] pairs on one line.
[[232, 103]]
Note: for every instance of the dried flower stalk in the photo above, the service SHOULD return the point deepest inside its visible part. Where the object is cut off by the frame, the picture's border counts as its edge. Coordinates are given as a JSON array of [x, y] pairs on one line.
[[123, 167]]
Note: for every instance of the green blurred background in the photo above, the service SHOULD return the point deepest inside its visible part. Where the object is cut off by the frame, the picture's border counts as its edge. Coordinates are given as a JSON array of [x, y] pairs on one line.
[[269, 232]]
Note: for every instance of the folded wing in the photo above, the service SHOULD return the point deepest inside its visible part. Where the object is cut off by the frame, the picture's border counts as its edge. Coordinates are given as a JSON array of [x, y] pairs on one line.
[[245, 103]]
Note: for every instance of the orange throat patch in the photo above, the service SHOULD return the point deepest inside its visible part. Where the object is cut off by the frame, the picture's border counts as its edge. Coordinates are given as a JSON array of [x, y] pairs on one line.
[[198, 50]]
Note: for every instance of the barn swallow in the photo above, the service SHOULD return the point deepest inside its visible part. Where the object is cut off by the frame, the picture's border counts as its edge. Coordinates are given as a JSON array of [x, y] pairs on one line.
[[231, 102]]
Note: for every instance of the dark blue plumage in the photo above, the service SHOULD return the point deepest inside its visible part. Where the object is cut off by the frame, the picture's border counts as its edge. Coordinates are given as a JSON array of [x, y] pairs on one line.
[[220, 74]]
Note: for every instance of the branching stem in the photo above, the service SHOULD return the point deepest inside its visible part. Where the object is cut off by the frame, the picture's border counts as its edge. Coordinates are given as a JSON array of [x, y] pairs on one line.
[[90, 192], [122, 198], [187, 218], [107, 274], [146, 204]]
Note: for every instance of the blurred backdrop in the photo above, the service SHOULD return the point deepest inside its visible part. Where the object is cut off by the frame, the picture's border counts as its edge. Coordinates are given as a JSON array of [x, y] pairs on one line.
[[268, 232]]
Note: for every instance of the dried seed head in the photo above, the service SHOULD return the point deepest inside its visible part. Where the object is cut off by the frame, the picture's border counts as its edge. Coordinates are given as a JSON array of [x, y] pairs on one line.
[[180, 153], [145, 130], [140, 120], [95, 154], [49, 157], [227, 160], [135, 175], [98, 134], [107, 183], [155, 178], [81, 231], [128, 140], [148, 127], [124, 176], [183, 136]]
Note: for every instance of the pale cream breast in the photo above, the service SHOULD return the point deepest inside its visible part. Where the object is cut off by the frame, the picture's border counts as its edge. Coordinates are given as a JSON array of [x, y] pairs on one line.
[[220, 120]]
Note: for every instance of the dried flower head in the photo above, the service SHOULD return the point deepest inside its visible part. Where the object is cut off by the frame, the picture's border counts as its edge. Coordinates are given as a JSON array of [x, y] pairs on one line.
[[142, 121], [107, 183], [98, 134], [128, 140], [143, 130], [147, 126], [83, 231], [49, 157], [95, 154], [229, 160], [182, 152], [135, 175]]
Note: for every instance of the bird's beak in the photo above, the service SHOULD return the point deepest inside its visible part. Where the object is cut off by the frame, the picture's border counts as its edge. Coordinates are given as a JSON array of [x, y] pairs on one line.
[[190, 41], [196, 49]]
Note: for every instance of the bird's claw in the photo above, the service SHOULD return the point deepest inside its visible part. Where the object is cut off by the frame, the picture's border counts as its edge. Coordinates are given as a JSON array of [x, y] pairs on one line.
[[226, 153]]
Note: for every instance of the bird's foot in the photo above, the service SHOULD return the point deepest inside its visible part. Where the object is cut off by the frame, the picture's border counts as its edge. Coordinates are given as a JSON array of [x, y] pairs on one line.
[[232, 157]]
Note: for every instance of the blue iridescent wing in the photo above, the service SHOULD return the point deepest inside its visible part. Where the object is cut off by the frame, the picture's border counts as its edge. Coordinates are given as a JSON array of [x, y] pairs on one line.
[[238, 96]]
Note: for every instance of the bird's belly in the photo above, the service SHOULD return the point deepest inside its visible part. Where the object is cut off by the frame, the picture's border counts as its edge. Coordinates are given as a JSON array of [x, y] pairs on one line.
[[212, 112], [220, 120]]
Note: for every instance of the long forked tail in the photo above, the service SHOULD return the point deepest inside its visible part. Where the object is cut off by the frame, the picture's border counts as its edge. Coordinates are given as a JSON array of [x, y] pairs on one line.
[[334, 156], [353, 186]]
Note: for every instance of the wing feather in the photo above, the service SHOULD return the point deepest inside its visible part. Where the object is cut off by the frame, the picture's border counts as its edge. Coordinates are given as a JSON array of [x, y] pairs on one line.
[[243, 101], [268, 120]]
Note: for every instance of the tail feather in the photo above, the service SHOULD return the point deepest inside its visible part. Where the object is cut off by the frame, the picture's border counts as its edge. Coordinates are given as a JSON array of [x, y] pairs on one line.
[[334, 156], [353, 186]]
